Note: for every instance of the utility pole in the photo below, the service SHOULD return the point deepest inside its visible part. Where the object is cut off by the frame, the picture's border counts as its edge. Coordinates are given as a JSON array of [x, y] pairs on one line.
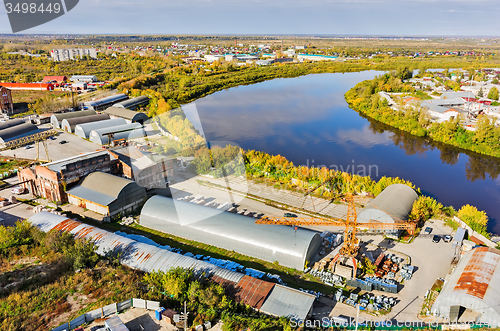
[[185, 317]]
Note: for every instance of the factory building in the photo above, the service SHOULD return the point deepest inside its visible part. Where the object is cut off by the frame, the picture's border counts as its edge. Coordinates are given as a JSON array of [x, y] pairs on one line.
[[134, 103], [142, 169], [56, 119], [69, 124], [50, 180], [17, 131], [101, 104], [122, 132], [393, 204], [66, 54], [107, 194], [128, 115], [472, 294], [273, 243], [83, 130], [267, 297], [6, 103]]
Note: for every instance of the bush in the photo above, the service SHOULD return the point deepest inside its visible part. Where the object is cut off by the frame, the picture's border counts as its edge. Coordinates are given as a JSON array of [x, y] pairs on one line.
[[477, 220]]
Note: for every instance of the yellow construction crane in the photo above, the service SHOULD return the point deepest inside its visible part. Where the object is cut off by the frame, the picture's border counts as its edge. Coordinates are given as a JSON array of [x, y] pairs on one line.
[[350, 246]]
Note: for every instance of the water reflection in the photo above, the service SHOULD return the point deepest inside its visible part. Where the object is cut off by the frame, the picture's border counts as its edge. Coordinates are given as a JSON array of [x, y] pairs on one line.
[[478, 167]]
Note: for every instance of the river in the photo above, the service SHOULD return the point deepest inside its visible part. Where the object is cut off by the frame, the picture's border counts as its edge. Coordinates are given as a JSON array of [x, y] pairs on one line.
[[307, 120]]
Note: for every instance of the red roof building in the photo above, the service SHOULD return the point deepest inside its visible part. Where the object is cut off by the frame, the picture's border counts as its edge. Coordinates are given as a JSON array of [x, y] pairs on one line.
[[57, 79], [30, 86]]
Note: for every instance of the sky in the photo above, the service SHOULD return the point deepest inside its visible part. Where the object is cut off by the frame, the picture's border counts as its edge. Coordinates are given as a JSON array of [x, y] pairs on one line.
[[340, 17]]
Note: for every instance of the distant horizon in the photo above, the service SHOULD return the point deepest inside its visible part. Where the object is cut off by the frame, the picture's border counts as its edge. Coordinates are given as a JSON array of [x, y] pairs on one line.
[[279, 17]]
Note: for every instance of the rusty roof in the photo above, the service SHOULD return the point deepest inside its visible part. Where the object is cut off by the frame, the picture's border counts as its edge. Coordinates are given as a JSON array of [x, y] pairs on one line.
[[478, 272]]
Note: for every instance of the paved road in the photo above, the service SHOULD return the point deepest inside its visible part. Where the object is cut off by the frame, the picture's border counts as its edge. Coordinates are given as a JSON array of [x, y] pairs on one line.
[[75, 146]]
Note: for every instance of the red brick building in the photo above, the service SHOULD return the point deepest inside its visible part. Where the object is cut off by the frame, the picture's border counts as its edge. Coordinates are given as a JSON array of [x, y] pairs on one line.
[[51, 180], [6, 103]]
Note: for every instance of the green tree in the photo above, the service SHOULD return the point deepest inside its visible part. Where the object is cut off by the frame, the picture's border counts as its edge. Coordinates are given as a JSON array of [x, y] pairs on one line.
[[480, 93], [493, 94]]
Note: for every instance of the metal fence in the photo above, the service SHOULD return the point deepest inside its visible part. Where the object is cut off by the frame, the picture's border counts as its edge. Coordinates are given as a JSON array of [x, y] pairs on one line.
[[107, 311]]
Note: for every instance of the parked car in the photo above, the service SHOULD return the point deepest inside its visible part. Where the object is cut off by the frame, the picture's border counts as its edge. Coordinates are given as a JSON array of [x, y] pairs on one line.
[[447, 238], [18, 190], [436, 239], [289, 215], [428, 230], [27, 147], [63, 142]]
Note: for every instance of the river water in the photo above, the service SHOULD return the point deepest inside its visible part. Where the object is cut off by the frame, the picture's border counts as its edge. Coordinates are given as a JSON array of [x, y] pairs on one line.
[[307, 120]]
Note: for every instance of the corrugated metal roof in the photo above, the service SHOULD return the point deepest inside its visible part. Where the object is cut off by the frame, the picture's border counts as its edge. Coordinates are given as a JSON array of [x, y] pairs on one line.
[[91, 195], [128, 114], [232, 232], [83, 130], [18, 131], [270, 298], [69, 124], [10, 123], [133, 103], [473, 285], [59, 165], [393, 203], [285, 301], [107, 100], [126, 131], [104, 183], [56, 119]]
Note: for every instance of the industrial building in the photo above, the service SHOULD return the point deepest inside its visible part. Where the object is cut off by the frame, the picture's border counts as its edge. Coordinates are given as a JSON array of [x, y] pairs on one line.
[[471, 294], [20, 130], [6, 103], [69, 124], [50, 180], [101, 104], [66, 54], [129, 115], [393, 204], [273, 243], [29, 86], [122, 132], [84, 78], [134, 103], [83, 130], [267, 297], [142, 169], [107, 194], [56, 119]]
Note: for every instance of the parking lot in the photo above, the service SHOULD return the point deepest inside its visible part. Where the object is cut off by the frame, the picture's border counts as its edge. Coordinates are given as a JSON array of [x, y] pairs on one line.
[[74, 146]]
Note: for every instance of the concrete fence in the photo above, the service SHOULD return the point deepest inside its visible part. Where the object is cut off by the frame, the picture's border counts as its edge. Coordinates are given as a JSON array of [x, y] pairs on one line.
[[107, 311], [473, 233]]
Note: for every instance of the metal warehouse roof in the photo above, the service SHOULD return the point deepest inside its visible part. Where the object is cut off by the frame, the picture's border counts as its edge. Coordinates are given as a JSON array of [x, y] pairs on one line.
[[101, 188], [111, 99], [259, 294], [126, 131], [473, 285], [83, 130], [230, 231], [59, 165], [56, 119], [134, 103], [10, 123], [128, 114], [18, 131], [69, 124], [394, 203], [288, 302]]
